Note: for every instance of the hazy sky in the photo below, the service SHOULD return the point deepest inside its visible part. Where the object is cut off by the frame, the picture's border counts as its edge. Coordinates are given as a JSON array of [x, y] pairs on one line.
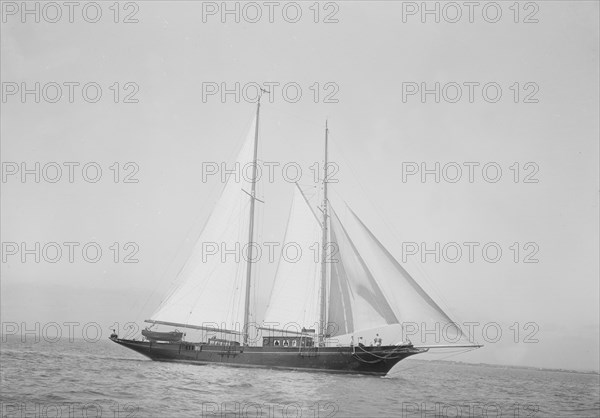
[[368, 55]]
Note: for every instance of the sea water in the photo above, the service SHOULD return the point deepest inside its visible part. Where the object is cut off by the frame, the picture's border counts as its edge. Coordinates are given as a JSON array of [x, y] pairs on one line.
[[78, 378]]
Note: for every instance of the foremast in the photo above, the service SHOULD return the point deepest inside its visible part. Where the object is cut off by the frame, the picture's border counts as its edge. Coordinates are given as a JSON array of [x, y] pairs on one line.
[[251, 229], [324, 245]]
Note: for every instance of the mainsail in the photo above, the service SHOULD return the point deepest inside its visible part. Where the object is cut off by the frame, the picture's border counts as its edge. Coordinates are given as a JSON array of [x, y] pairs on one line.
[[212, 284], [294, 302]]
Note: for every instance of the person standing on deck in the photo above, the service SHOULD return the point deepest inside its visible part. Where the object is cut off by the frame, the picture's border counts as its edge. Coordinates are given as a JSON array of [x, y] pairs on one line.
[[377, 341]]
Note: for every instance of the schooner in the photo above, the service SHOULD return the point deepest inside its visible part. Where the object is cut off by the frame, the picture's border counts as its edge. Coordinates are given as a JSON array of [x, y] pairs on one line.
[[312, 304]]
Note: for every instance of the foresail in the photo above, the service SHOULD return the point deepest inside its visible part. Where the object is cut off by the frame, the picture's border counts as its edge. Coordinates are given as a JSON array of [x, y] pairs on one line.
[[356, 301], [422, 318], [294, 301], [212, 283]]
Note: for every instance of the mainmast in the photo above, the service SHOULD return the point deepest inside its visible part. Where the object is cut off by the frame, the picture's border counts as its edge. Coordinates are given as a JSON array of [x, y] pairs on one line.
[[324, 245], [251, 229]]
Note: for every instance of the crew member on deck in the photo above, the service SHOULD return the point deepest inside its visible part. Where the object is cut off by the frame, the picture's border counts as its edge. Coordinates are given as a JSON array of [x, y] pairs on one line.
[[377, 341]]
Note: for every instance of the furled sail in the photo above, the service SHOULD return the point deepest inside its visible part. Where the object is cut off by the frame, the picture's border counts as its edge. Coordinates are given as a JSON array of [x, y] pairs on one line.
[[294, 302], [423, 319], [211, 289], [356, 300]]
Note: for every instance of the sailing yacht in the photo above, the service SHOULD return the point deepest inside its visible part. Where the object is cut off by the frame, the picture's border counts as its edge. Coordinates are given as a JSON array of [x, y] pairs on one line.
[[354, 285]]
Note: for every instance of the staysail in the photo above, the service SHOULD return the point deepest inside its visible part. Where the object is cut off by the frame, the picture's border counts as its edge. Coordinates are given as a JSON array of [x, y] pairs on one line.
[[423, 319], [368, 288], [294, 302], [212, 284], [356, 302]]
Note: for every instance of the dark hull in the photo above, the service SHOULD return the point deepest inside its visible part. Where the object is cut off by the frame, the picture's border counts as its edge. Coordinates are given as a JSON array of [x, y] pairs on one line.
[[359, 360]]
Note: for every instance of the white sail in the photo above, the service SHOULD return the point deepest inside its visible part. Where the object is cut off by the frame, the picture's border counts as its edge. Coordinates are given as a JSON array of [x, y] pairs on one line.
[[356, 301], [294, 301], [423, 319], [212, 284]]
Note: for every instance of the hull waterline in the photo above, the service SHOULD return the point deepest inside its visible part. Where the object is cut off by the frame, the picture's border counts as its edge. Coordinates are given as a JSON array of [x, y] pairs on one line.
[[356, 360]]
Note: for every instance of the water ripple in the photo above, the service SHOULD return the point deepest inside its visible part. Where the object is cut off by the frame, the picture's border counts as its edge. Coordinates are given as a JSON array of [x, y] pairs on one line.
[[122, 383]]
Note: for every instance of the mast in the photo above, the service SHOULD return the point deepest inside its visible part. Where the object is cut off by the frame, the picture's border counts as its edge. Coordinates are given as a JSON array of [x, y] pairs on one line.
[[251, 228], [324, 243]]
